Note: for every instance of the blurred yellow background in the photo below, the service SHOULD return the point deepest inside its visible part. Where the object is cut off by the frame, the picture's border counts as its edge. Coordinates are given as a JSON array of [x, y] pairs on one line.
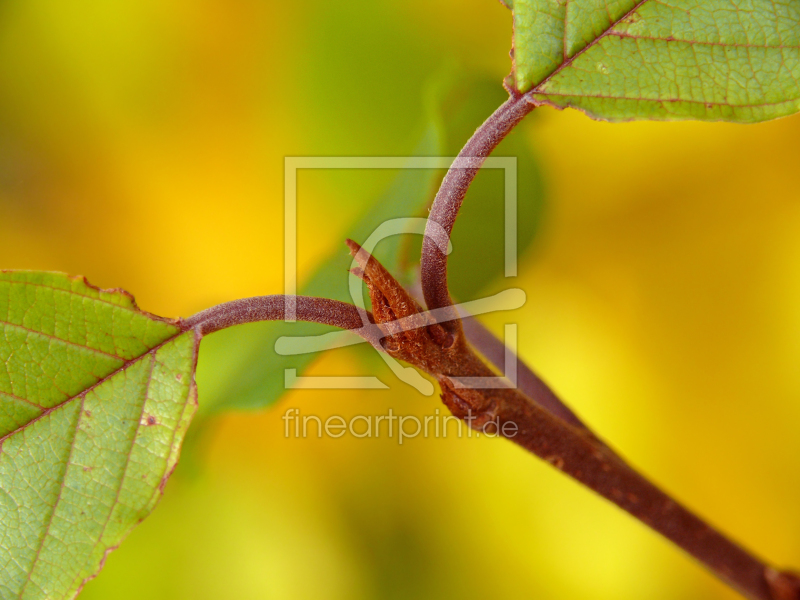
[[142, 145]]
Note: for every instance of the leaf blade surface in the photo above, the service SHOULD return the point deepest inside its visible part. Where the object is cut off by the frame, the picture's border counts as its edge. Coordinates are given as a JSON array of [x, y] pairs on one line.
[[88, 458], [618, 60]]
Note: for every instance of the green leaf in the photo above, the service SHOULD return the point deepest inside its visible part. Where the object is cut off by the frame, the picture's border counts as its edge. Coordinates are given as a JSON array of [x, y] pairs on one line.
[[648, 59], [95, 398]]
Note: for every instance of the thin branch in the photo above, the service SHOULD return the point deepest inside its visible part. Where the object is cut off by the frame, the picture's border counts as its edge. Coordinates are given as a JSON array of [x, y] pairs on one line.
[[570, 448], [451, 194]]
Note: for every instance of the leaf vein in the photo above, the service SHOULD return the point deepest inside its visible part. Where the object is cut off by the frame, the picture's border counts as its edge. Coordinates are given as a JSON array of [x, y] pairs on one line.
[[698, 42], [20, 399], [58, 339], [664, 100], [32, 567], [127, 457], [124, 367], [537, 88]]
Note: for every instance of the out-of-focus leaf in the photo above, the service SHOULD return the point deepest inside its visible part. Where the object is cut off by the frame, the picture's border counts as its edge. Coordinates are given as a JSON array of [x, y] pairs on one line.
[[244, 371], [479, 235], [709, 60], [95, 398]]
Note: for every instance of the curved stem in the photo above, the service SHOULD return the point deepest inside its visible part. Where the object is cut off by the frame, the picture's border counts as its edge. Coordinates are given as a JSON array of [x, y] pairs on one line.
[[451, 194], [273, 308]]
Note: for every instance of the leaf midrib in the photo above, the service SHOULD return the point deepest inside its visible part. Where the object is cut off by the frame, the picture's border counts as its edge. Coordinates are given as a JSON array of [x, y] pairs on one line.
[[537, 88], [123, 367]]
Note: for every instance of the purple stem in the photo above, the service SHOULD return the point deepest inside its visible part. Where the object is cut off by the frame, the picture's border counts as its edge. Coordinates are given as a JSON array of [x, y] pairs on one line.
[[273, 308], [450, 196]]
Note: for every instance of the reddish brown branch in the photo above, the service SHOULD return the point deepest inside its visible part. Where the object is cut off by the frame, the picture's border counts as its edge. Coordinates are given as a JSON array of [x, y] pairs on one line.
[[566, 445], [451, 194]]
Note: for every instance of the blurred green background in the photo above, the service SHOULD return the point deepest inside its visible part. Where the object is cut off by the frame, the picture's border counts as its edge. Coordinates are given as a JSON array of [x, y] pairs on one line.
[[142, 145]]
